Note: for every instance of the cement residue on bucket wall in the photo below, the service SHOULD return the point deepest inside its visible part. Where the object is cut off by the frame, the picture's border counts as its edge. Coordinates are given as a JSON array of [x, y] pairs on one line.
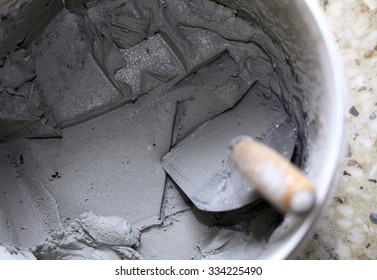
[[122, 82]]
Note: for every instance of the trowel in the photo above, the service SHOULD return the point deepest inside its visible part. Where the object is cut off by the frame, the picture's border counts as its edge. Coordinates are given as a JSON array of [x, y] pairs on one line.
[[221, 171]]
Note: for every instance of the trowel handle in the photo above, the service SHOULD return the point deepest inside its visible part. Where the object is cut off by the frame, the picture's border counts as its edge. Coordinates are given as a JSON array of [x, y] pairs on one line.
[[278, 180]]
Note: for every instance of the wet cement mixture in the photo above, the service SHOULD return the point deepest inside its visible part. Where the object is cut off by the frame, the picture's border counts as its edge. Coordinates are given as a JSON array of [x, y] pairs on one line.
[[89, 109]]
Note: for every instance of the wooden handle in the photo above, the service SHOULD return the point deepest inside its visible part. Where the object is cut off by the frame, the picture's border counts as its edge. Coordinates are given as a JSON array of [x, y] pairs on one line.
[[278, 181]]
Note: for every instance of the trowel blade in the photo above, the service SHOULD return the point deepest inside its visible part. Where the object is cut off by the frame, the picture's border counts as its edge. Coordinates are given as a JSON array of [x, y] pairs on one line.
[[201, 166]]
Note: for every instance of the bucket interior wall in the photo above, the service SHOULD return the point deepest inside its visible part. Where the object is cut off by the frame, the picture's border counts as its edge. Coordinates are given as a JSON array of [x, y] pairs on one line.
[[299, 29]]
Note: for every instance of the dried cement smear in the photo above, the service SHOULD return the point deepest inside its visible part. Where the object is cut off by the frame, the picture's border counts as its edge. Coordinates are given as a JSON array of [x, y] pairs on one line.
[[90, 107]]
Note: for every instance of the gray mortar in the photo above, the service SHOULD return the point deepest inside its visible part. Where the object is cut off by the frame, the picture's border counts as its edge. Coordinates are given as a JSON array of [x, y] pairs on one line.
[[125, 81], [21, 21], [92, 237]]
